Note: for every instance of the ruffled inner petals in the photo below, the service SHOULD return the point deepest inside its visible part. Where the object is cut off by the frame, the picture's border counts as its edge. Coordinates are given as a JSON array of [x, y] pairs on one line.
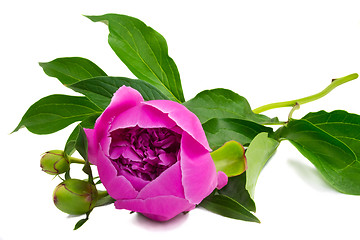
[[143, 153]]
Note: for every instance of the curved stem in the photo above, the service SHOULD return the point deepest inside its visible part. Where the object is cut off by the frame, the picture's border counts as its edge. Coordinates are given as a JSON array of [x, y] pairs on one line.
[[336, 82], [295, 107]]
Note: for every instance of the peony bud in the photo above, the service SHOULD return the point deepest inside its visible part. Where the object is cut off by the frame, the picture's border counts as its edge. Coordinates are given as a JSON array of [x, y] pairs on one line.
[[54, 162], [75, 196]]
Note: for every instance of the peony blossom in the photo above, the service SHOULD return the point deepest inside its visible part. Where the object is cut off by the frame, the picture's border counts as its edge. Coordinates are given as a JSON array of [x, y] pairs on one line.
[[152, 156]]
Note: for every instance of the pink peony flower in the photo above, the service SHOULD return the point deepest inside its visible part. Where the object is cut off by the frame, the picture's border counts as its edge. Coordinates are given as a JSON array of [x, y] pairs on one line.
[[152, 156]]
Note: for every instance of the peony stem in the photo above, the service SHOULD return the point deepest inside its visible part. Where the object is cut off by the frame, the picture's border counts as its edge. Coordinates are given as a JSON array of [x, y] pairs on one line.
[[76, 160], [104, 199], [102, 194], [294, 108], [336, 82]]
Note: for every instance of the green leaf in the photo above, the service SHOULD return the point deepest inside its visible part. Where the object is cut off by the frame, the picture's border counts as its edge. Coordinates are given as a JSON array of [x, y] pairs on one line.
[[55, 112], [80, 223], [81, 146], [340, 124], [71, 141], [221, 130], [70, 70], [228, 207], [230, 158], [100, 90], [144, 51], [331, 142], [257, 154], [235, 189], [225, 103], [86, 123]]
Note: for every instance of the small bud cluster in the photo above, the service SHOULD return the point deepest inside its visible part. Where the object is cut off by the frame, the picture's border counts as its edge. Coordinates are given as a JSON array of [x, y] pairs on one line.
[[71, 196]]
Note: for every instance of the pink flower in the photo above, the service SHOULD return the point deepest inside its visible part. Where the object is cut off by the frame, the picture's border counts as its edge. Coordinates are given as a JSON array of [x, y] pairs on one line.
[[152, 156]]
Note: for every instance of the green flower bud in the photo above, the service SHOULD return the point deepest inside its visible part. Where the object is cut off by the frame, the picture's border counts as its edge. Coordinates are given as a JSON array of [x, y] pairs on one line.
[[54, 162], [75, 196]]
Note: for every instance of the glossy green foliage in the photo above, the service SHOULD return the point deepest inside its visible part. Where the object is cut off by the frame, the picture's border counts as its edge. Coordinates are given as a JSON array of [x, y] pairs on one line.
[[100, 90], [221, 130], [223, 103], [331, 141], [70, 70], [257, 154], [144, 51], [228, 207], [55, 112]]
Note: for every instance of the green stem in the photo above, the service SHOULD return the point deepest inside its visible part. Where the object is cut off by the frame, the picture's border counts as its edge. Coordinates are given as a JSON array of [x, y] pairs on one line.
[[295, 107], [102, 194], [336, 82], [281, 123], [104, 199], [76, 160]]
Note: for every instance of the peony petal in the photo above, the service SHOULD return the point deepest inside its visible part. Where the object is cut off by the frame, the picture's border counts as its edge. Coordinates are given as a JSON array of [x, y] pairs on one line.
[[222, 180], [131, 154], [142, 116], [199, 176], [167, 158], [105, 144], [93, 145], [183, 118], [167, 183], [136, 182], [161, 208], [116, 152], [123, 99], [118, 187]]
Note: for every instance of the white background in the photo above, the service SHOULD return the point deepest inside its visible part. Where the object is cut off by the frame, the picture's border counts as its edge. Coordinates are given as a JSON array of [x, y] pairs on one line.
[[267, 51]]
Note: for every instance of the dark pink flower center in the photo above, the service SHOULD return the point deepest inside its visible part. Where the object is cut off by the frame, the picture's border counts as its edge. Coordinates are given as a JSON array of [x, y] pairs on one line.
[[144, 152]]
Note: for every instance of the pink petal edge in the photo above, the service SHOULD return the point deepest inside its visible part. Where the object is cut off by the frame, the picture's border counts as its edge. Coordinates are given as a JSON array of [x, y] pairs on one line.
[[117, 186], [199, 175], [143, 116], [222, 180], [123, 99], [183, 118], [168, 183], [160, 208]]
